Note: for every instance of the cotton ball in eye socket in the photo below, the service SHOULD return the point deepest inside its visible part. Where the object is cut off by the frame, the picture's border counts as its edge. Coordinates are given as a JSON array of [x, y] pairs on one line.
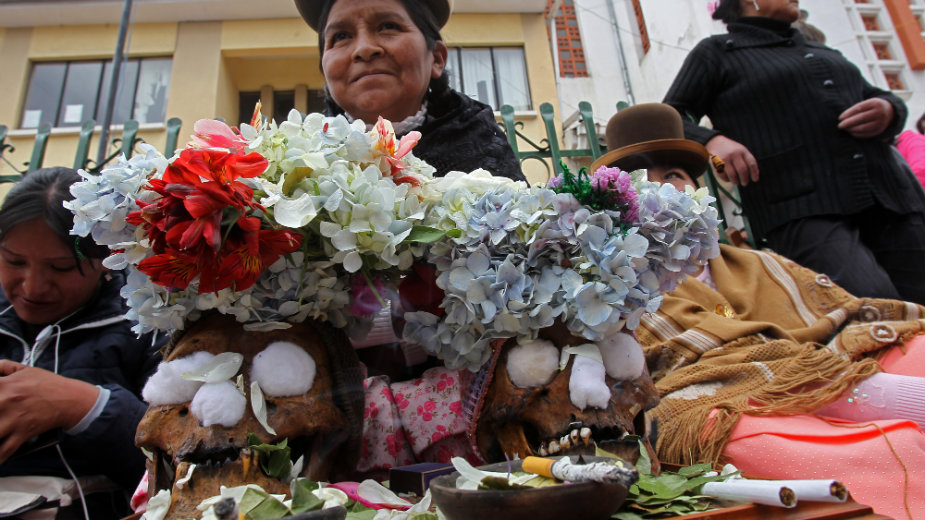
[[533, 363], [623, 356], [167, 387], [587, 385], [283, 369], [218, 403]]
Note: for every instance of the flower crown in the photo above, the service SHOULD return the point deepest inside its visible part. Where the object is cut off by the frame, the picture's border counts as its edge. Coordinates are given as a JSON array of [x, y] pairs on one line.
[[317, 217]]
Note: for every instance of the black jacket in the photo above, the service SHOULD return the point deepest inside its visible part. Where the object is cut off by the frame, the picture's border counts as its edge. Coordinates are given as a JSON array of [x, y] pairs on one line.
[[461, 134], [765, 86], [96, 345]]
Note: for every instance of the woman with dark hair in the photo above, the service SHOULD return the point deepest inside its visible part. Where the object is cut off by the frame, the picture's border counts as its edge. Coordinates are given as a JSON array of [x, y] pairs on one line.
[[387, 58], [72, 369], [807, 139]]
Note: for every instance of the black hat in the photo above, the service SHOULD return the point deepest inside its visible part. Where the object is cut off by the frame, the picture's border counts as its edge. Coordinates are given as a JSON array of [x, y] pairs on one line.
[[311, 10]]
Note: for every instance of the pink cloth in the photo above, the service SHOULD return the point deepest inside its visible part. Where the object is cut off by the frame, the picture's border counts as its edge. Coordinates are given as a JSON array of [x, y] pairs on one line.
[[911, 145], [858, 455], [882, 462], [414, 421]]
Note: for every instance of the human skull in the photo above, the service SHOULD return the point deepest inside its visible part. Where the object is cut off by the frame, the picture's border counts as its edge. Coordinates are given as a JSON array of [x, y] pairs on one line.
[[323, 424], [519, 419]]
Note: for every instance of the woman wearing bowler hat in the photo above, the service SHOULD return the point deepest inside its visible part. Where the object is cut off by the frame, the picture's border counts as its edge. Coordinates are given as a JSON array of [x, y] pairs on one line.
[[387, 58], [737, 357]]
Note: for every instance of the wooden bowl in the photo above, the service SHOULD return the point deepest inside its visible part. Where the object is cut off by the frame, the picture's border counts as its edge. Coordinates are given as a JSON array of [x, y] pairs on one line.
[[587, 500]]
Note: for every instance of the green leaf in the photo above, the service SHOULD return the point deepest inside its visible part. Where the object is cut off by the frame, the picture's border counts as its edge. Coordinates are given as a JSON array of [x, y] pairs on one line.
[[424, 235], [303, 500], [275, 459], [643, 464], [696, 469], [365, 514], [499, 483], [268, 509]]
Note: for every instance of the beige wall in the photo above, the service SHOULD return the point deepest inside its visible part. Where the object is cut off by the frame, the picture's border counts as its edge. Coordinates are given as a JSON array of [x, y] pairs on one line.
[[214, 61]]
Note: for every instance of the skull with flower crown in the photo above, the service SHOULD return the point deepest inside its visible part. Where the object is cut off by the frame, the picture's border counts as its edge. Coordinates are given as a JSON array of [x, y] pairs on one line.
[[221, 384], [597, 399]]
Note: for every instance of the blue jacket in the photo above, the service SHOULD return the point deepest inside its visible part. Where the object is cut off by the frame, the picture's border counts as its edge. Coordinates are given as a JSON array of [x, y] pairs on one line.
[[96, 345]]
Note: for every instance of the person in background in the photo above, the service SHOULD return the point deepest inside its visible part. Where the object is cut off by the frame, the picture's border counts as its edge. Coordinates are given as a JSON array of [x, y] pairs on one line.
[[387, 58], [72, 369], [911, 144], [770, 366], [807, 140]]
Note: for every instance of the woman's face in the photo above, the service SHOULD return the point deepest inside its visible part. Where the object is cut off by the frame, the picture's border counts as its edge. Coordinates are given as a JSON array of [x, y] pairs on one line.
[[783, 10], [39, 274], [376, 61], [677, 177]]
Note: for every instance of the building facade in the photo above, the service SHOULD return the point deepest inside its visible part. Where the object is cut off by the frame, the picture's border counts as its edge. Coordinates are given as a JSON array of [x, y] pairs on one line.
[[196, 59], [632, 49]]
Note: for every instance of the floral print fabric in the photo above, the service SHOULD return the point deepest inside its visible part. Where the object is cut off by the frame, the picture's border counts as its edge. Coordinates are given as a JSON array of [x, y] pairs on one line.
[[420, 420]]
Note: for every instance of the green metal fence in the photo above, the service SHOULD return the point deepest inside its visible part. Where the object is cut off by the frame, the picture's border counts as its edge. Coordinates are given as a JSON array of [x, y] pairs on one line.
[[124, 145]]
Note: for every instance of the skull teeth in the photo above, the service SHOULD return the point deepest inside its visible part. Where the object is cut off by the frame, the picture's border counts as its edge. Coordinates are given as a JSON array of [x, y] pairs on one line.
[[576, 438], [585, 435]]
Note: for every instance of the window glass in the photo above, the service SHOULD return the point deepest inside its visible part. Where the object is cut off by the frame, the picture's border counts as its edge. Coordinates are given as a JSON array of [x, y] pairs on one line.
[[246, 103], [283, 102], [316, 101], [44, 94], [477, 75], [512, 78], [452, 69], [81, 86], [151, 94], [125, 94], [69, 93]]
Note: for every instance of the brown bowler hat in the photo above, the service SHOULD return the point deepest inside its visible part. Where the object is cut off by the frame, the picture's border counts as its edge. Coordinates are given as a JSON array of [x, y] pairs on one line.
[[651, 134], [311, 10]]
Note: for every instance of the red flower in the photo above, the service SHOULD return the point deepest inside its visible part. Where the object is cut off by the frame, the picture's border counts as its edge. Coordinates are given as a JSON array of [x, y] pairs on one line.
[[185, 229]]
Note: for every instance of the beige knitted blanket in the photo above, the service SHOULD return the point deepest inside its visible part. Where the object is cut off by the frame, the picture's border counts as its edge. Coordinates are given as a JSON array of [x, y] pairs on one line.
[[774, 339]]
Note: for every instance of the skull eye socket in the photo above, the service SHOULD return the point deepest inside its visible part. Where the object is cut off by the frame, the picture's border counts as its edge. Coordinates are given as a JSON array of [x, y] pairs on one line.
[[533, 363], [166, 386], [283, 369]]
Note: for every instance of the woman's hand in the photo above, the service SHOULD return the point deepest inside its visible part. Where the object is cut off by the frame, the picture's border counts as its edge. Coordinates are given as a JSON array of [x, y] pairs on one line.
[[33, 401], [869, 118], [741, 166]]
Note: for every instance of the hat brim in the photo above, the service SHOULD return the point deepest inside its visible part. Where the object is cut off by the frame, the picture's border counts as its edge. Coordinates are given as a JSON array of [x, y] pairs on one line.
[[687, 154], [311, 11]]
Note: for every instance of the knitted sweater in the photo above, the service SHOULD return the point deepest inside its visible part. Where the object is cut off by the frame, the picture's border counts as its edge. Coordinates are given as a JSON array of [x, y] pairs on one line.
[[765, 86]]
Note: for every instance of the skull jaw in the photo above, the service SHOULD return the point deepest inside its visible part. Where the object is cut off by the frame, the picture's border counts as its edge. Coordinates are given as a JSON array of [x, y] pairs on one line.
[[313, 423], [518, 421]]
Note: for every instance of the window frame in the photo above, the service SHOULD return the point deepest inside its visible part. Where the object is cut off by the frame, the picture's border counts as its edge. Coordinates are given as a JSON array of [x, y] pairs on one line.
[[101, 88], [455, 55]]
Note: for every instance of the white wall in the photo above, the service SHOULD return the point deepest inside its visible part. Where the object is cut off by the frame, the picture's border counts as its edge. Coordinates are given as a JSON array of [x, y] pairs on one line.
[[675, 27]]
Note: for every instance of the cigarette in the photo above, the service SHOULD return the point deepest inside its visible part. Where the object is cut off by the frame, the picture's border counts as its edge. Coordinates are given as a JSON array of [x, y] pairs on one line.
[[772, 493], [817, 490], [616, 472]]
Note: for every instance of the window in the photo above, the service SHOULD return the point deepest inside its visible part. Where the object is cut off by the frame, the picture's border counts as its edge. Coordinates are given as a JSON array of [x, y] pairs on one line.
[[283, 102], [641, 24], [568, 40], [893, 81], [870, 23], [68, 93], [882, 50], [495, 76]]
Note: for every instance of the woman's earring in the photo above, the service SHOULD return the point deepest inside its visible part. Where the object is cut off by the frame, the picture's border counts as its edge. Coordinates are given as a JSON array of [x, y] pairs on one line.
[[755, 3]]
